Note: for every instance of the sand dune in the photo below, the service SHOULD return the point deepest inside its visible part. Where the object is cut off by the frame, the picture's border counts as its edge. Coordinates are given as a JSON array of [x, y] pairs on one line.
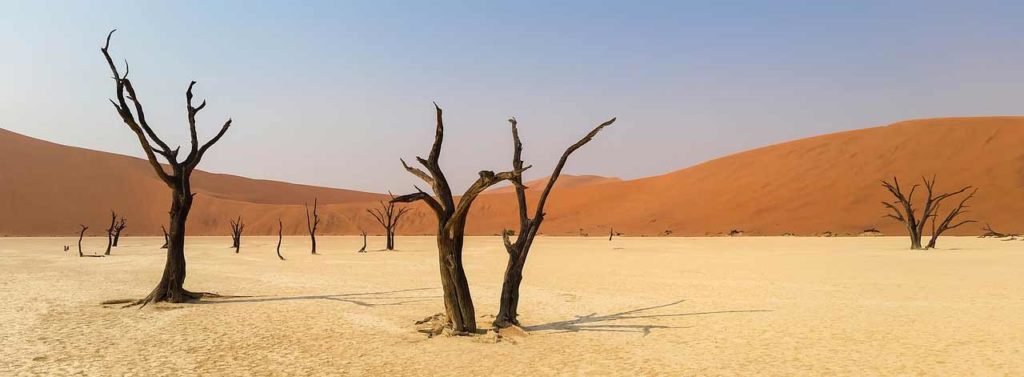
[[635, 306], [565, 181], [826, 183]]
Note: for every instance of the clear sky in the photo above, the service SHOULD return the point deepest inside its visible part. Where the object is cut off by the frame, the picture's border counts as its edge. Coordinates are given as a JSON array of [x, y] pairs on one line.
[[333, 93]]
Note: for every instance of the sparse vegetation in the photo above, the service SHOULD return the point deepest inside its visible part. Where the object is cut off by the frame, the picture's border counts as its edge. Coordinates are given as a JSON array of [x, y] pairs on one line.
[[902, 210]]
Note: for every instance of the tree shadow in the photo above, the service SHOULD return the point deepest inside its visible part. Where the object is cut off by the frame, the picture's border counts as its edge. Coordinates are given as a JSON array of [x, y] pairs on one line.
[[590, 322], [366, 299]]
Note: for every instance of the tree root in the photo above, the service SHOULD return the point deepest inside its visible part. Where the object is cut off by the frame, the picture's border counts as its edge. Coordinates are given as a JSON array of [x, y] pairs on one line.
[[188, 296]]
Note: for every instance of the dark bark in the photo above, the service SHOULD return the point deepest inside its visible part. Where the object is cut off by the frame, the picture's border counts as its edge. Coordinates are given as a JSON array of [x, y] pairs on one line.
[[80, 236], [903, 208], [110, 232], [236, 233], [117, 230], [363, 250], [280, 230], [950, 221], [508, 309], [451, 224], [312, 223], [166, 237], [611, 233], [388, 217], [989, 232], [178, 180]]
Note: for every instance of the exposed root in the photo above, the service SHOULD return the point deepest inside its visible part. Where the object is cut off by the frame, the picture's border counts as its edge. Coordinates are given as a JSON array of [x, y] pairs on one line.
[[187, 296]]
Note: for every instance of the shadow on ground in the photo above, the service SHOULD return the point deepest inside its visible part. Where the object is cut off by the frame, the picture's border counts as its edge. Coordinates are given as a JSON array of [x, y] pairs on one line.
[[367, 299], [594, 322]]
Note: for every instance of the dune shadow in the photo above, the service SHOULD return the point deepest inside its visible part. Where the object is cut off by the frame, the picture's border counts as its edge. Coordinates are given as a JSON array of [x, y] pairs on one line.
[[365, 299], [599, 323]]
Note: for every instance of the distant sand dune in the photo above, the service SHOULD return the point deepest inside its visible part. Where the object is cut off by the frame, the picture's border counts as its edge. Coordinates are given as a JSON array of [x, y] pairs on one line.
[[821, 184]]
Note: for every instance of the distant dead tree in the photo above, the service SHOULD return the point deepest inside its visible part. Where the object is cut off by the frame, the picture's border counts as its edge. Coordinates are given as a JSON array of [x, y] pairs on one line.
[[903, 210], [989, 232], [170, 288], [950, 221], [110, 231], [363, 250], [166, 238], [118, 229], [611, 233], [388, 216], [236, 233], [508, 310], [280, 230], [312, 223], [451, 226], [80, 236]]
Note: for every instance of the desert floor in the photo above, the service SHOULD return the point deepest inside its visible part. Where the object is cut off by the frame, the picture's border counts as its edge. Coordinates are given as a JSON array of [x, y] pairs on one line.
[[648, 306]]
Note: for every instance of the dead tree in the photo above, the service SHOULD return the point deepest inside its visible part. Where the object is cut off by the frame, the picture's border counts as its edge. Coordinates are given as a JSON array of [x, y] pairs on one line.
[[451, 226], [312, 223], [611, 233], [528, 228], [166, 237], [110, 232], [280, 229], [80, 236], [388, 216], [903, 208], [117, 230], [950, 221], [989, 232], [178, 179], [363, 250], [236, 233]]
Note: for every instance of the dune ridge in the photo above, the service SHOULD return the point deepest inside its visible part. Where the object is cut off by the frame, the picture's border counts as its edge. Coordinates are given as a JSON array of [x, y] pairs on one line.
[[826, 183]]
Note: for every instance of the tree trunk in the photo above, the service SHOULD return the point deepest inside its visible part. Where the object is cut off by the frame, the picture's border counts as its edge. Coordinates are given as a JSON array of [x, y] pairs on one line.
[[280, 230], [508, 309], [117, 236], [458, 303], [390, 239], [312, 237], [171, 285]]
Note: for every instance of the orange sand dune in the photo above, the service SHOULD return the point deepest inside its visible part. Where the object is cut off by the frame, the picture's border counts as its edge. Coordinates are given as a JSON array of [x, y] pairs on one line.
[[565, 181], [827, 183]]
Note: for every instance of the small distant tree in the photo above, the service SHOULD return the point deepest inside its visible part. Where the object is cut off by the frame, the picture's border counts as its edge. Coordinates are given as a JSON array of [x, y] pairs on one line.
[[110, 231], [451, 228], [508, 310], [117, 230], [280, 230], [166, 238], [363, 250], [236, 233], [388, 216], [80, 236], [312, 222], [902, 210]]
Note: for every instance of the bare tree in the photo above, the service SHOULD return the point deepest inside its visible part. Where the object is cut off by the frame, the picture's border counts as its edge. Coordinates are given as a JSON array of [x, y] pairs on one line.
[[80, 236], [451, 226], [118, 229], [903, 208], [528, 228], [388, 216], [170, 288], [312, 223], [989, 232], [611, 233], [280, 229], [236, 233], [166, 237], [110, 231], [363, 250], [950, 222]]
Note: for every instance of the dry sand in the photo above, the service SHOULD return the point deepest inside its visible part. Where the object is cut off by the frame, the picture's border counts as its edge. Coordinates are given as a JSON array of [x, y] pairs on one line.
[[649, 306]]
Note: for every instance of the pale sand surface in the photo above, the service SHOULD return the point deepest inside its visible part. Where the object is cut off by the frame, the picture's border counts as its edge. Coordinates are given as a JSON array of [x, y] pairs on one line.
[[716, 306]]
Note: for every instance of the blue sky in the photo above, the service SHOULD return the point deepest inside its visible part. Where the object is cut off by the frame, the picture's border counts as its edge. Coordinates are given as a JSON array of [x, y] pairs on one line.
[[333, 93]]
